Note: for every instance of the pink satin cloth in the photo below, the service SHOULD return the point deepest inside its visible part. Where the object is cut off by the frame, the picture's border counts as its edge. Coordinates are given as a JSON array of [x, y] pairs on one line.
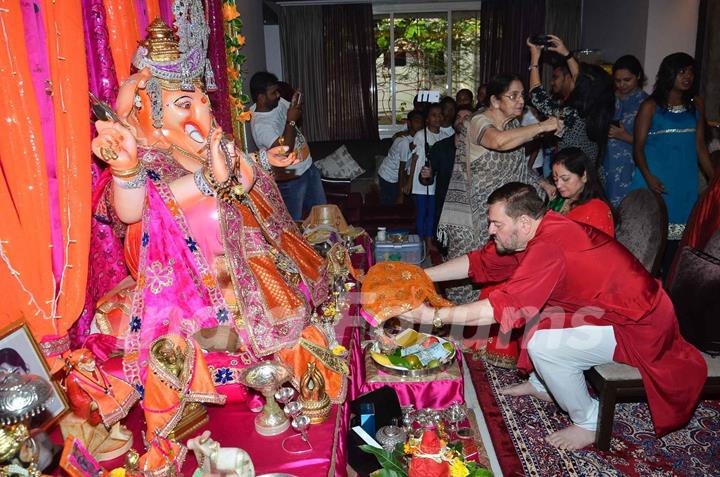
[[436, 394], [266, 453]]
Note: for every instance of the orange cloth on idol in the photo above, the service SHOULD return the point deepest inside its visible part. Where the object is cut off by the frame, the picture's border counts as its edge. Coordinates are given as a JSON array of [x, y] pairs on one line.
[[166, 394], [392, 288], [298, 357], [113, 396], [161, 457]]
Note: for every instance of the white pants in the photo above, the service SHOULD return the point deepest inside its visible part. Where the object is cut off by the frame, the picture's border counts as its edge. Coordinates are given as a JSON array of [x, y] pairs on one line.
[[560, 356]]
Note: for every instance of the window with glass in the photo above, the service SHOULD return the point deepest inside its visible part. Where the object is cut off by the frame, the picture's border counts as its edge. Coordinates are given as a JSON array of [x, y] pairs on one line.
[[419, 51]]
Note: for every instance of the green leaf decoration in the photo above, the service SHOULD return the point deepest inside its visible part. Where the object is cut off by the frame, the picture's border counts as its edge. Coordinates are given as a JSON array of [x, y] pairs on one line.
[[387, 460]]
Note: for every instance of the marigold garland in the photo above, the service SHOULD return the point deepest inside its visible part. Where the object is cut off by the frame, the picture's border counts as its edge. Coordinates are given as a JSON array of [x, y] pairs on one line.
[[234, 42]]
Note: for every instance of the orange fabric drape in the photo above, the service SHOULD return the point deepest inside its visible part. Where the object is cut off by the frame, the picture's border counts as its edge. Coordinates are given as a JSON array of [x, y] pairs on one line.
[[153, 9], [122, 25], [25, 224], [24, 200], [68, 69]]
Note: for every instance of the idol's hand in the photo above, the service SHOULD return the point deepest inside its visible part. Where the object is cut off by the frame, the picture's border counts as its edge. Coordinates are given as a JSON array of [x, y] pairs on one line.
[[115, 145], [217, 156], [278, 156]]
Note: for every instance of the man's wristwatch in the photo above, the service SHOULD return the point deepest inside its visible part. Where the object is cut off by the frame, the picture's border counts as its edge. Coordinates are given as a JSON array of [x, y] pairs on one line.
[[291, 123], [437, 322]]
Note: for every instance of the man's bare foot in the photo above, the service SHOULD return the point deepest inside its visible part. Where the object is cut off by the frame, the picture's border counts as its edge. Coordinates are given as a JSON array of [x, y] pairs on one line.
[[525, 389], [571, 438]]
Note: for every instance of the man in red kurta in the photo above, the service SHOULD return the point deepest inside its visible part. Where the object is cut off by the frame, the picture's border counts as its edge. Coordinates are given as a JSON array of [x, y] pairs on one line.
[[585, 300]]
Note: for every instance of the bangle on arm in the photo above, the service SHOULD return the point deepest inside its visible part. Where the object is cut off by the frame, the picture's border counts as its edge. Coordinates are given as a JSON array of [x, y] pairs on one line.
[[125, 173], [130, 182], [202, 183], [262, 159]]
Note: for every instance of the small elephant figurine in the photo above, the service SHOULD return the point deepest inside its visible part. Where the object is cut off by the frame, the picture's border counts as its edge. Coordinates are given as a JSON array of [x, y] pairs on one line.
[[220, 461]]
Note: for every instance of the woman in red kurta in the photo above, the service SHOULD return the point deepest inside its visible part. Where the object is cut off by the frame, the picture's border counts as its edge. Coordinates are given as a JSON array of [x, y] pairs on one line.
[[580, 195], [561, 274]]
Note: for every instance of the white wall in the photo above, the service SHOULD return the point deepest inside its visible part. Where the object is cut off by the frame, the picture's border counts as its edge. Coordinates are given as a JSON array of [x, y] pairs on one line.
[[617, 27], [672, 27], [648, 29], [273, 52], [251, 12]]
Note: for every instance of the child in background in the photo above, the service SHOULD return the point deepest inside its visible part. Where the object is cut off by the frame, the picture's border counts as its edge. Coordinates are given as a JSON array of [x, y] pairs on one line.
[[424, 192], [391, 173]]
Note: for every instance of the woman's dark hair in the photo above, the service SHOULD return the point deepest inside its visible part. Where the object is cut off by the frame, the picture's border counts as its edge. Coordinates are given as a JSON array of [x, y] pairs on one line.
[[665, 80], [594, 99], [13, 358], [575, 161], [498, 85], [632, 64]]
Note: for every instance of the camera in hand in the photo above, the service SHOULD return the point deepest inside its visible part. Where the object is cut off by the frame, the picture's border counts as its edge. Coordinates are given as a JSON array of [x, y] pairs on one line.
[[541, 40], [429, 180]]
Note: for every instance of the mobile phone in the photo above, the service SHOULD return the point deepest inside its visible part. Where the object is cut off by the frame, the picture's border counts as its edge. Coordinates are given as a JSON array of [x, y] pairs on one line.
[[615, 122], [103, 111], [297, 99], [541, 40]]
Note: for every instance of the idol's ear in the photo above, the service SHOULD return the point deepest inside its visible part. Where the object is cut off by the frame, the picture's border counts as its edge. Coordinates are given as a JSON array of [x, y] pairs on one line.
[[127, 92]]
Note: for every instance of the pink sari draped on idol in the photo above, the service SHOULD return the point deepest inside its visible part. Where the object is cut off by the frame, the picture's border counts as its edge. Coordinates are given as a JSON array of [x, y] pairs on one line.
[[177, 291]]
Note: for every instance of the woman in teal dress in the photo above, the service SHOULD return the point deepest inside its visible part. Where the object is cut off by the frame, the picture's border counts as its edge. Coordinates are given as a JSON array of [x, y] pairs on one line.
[[670, 143], [618, 166]]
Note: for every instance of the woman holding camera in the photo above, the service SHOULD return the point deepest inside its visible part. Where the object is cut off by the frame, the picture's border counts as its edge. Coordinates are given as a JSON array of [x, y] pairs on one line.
[[589, 109], [618, 165]]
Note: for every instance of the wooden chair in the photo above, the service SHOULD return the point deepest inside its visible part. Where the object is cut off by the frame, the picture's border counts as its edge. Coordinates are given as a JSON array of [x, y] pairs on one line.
[[617, 382]]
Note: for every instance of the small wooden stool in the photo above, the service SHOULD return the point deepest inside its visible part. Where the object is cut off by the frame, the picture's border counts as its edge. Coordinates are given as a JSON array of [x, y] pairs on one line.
[[615, 382]]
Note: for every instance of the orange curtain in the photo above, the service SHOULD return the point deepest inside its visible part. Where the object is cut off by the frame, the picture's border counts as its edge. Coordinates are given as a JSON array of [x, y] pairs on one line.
[[153, 10], [25, 224], [68, 68], [24, 200], [122, 25]]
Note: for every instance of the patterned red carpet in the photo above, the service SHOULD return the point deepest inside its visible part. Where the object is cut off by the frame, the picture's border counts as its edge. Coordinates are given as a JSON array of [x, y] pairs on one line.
[[518, 426]]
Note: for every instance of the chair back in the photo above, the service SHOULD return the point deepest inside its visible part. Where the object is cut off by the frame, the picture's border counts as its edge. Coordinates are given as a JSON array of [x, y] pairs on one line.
[[712, 248], [643, 227]]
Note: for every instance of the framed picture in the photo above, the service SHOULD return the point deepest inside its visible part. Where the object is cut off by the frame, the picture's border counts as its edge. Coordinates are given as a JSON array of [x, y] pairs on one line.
[[20, 353]]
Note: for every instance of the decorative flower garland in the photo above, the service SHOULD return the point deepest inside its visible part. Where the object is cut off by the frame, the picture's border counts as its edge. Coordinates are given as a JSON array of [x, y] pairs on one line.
[[234, 42]]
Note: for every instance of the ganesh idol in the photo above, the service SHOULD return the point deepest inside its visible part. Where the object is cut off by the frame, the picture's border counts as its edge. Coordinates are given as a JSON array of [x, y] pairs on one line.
[[208, 240]]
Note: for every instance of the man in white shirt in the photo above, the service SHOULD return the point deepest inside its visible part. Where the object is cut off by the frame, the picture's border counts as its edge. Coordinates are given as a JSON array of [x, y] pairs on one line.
[[274, 123]]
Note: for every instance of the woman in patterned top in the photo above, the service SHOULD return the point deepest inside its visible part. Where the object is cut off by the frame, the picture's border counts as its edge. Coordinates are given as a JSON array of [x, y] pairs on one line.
[[580, 196], [589, 109], [619, 166]]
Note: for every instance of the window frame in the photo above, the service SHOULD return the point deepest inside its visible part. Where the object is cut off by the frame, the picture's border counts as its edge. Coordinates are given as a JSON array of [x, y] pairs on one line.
[[388, 130]]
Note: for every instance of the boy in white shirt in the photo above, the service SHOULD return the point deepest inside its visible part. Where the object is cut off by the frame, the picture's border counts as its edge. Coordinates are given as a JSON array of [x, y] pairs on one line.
[[391, 173], [424, 192]]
